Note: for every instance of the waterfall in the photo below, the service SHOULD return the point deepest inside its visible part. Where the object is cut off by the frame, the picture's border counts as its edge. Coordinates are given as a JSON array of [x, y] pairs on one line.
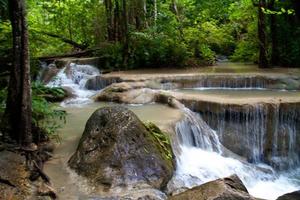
[[74, 77], [202, 157], [232, 82], [260, 132], [193, 131]]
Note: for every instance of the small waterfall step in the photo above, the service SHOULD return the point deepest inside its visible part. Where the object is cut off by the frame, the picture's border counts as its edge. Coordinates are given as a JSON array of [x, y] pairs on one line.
[[74, 77]]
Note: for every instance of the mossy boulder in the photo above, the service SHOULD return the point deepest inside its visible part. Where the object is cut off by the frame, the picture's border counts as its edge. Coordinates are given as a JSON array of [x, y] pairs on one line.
[[117, 150]]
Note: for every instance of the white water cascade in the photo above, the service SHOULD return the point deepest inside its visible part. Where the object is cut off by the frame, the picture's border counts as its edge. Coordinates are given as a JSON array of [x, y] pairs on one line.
[[74, 78], [202, 158]]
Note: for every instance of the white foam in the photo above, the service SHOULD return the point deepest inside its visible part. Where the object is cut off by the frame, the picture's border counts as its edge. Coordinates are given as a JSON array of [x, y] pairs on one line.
[[196, 166], [75, 77]]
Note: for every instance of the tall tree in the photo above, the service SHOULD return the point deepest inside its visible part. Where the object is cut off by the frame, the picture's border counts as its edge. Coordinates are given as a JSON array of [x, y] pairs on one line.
[[18, 107], [125, 39], [262, 37], [273, 29], [109, 19]]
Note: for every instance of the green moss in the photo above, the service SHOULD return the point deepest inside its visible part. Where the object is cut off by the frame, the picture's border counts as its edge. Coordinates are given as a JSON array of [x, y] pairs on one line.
[[162, 140]]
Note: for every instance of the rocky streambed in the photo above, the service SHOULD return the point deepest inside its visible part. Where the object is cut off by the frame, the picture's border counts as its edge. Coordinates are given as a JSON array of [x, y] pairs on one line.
[[219, 122]]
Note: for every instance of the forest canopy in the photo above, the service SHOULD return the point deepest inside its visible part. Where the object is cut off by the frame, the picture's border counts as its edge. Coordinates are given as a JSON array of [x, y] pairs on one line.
[[165, 33]]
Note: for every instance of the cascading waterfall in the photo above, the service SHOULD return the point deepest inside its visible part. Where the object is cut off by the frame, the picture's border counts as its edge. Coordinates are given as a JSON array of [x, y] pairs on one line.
[[74, 78], [193, 131], [261, 132], [203, 159]]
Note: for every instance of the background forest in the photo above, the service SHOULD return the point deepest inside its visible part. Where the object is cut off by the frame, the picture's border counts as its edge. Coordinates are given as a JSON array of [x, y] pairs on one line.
[[161, 33]]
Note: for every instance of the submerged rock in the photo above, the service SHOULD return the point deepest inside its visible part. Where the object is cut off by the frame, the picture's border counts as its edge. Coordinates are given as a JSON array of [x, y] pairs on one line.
[[230, 188], [117, 151], [290, 196]]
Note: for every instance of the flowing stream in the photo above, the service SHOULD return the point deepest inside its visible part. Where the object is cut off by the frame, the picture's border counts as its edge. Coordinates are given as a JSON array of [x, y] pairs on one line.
[[64, 180], [74, 77], [201, 157]]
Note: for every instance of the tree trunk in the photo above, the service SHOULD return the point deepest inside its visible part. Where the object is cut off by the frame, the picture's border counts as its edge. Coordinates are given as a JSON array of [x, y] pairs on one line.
[[296, 7], [117, 25], [125, 33], [273, 28], [174, 9], [262, 60], [109, 20], [155, 11], [18, 110]]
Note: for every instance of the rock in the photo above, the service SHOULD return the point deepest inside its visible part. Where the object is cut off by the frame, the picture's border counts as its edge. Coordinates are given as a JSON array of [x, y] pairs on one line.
[[49, 73], [290, 196], [100, 82], [143, 194], [69, 92], [46, 190], [116, 150], [230, 188], [127, 92], [14, 183]]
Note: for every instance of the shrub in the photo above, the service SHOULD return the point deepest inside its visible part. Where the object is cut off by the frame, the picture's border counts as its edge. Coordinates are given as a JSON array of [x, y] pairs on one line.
[[46, 118]]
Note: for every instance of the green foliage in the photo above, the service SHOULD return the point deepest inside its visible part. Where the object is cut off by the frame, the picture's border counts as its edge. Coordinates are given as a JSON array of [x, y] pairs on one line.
[[45, 116], [79, 21], [161, 138], [175, 33], [243, 18], [49, 94], [158, 50], [110, 55]]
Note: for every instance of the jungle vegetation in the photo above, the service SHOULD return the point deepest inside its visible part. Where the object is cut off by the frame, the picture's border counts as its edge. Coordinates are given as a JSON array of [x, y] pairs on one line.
[[137, 34]]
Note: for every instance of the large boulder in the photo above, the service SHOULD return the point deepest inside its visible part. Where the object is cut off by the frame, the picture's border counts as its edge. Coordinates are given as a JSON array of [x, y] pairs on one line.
[[290, 196], [230, 188], [117, 151]]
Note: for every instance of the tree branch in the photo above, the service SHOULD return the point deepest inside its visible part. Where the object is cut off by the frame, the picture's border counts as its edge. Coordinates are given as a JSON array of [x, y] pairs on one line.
[[66, 40]]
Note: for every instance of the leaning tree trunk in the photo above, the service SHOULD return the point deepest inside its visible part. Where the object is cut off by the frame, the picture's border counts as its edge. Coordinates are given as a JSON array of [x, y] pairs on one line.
[[262, 60], [18, 110]]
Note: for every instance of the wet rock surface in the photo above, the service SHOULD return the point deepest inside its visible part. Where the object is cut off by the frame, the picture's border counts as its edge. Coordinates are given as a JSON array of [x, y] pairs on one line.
[[230, 188], [116, 151], [100, 82], [290, 196], [14, 183]]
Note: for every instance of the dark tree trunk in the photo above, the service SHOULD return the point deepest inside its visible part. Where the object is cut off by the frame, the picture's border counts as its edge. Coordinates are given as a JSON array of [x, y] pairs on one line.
[[109, 20], [125, 33], [262, 60], [117, 22], [273, 27], [296, 6], [140, 15], [18, 110]]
